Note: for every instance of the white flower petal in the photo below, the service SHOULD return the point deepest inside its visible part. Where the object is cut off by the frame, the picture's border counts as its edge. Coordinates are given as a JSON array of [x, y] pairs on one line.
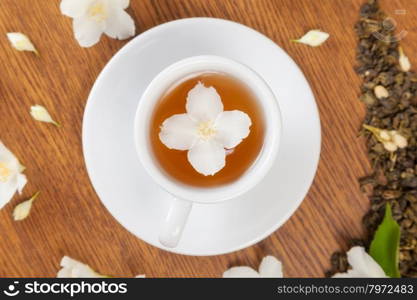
[[313, 38], [11, 178], [178, 132], [241, 272], [203, 103], [390, 146], [381, 92], [7, 191], [22, 210], [21, 42], [363, 265], [349, 274], [404, 61], [6, 156], [119, 25], [74, 8], [39, 113], [399, 140], [270, 267], [207, 157], [124, 4], [87, 31], [232, 127], [68, 262], [21, 182], [84, 271], [72, 268], [64, 273]]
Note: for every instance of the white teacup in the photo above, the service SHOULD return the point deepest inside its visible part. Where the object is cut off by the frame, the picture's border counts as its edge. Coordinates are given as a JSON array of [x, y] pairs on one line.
[[184, 195]]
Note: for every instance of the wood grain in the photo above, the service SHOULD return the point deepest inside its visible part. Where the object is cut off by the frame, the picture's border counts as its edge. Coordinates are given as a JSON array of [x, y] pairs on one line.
[[69, 219]]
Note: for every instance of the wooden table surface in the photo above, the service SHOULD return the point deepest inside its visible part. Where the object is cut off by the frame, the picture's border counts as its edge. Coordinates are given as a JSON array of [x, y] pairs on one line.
[[69, 219]]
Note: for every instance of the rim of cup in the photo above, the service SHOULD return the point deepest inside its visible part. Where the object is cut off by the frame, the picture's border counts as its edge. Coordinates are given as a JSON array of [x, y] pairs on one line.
[[183, 69]]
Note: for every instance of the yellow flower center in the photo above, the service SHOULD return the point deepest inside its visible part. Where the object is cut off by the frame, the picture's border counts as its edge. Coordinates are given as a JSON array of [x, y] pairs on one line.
[[98, 11], [206, 130], [4, 172]]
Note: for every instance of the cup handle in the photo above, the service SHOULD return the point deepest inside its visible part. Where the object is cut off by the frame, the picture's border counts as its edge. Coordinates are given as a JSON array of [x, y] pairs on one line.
[[174, 223]]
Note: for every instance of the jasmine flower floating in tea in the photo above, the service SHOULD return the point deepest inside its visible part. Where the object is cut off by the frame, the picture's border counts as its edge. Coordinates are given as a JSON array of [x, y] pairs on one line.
[[205, 130]]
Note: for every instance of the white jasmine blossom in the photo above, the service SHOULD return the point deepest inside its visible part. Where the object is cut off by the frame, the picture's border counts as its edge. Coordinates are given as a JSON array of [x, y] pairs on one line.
[[391, 139], [72, 268], [21, 42], [381, 92], [399, 140], [22, 210], [11, 177], [206, 131], [270, 267], [404, 61], [363, 265], [313, 38], [39, 113], [92, 18]]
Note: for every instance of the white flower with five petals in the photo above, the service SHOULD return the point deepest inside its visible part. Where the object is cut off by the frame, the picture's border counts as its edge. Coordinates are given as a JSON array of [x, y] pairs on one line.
[[91, 18], [11, 177], [270, 267], [72, 268], [363, 265], [206, 131]]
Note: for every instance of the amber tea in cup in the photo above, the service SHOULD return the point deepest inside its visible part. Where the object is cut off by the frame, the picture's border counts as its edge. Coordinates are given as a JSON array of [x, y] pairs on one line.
[[235, 95]]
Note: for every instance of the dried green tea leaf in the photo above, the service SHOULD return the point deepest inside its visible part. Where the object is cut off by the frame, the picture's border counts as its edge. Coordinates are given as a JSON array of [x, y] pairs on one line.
[[385, 244]]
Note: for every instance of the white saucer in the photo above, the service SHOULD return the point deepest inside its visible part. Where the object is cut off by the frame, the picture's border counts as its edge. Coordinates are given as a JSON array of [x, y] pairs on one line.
[[136, 201]]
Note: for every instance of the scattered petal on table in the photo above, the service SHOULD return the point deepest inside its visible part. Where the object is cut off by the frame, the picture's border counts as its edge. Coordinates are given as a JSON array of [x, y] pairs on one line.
[[22, 210], [39, 113], [313, 38], [21, 42], [270, 267], [72, 268]]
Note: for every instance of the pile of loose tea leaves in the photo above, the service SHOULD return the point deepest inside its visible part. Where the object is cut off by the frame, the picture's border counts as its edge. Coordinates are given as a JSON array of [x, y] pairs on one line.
[[389, 91]]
